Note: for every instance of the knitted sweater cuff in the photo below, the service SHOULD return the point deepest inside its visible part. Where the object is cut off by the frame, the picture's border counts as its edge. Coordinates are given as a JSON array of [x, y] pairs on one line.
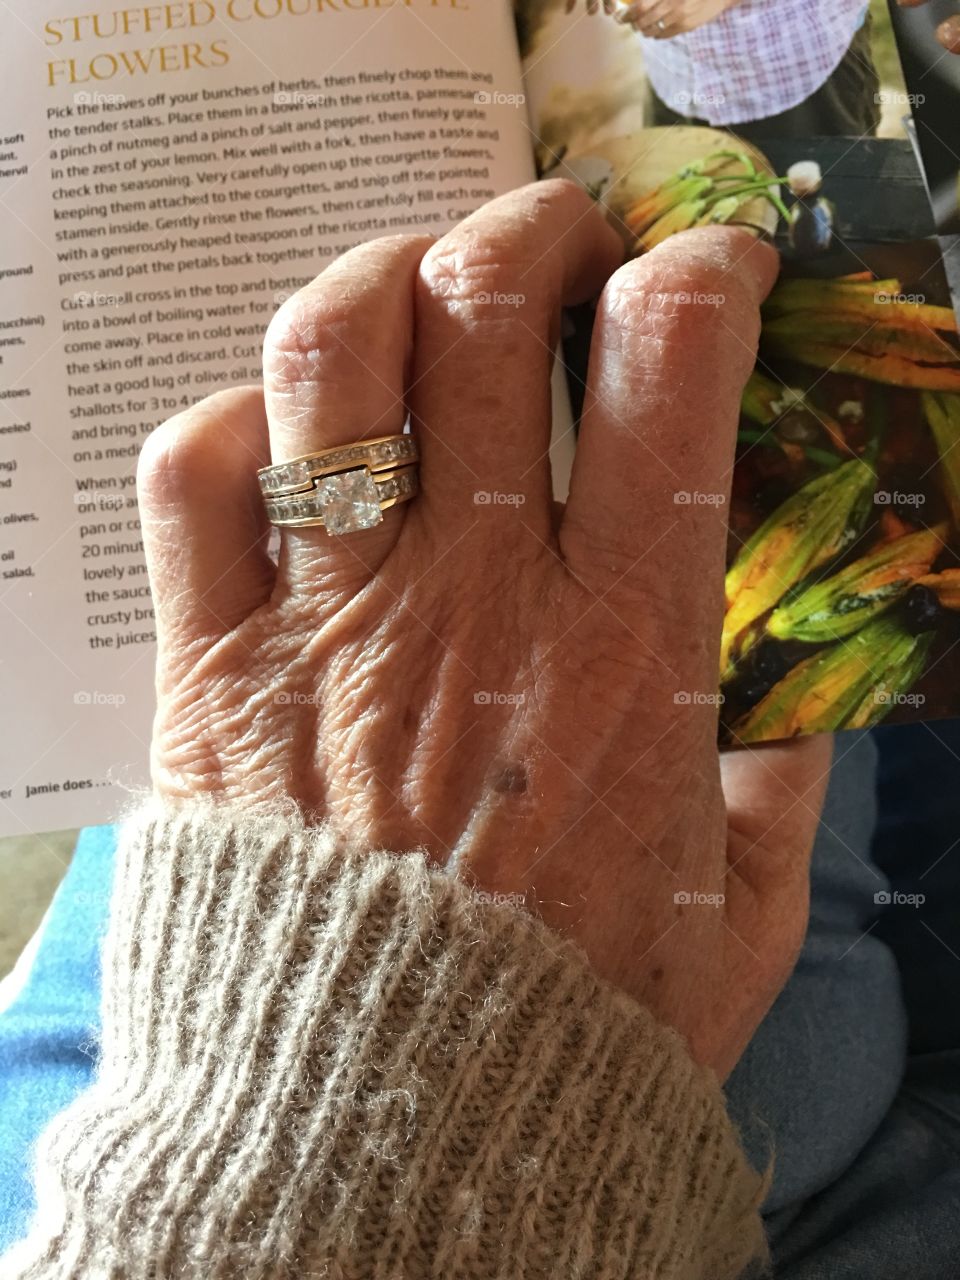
[[332, 1062]]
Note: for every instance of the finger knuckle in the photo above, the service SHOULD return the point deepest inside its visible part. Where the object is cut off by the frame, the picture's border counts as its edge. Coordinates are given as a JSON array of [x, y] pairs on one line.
[[505, 248], [310, 325], [684, 302], [474, 267], [181, 454], [341, 314]]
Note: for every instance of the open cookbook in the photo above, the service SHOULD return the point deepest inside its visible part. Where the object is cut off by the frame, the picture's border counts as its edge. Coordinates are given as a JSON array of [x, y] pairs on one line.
[[170, 174]]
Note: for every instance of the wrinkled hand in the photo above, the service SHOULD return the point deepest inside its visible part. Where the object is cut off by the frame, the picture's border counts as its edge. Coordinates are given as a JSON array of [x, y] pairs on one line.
[[659, 19], [478, 674]]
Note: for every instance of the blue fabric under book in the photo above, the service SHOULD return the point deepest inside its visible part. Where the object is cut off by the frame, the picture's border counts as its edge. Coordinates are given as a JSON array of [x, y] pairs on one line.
[[853, 1088], [48, 1035]]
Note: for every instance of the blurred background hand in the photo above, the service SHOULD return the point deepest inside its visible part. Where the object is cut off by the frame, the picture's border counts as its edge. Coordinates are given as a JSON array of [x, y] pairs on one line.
[[658, 19]]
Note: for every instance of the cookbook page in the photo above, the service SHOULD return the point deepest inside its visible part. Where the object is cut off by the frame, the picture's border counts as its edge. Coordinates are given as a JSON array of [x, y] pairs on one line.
[[168, 176], [843, 516]]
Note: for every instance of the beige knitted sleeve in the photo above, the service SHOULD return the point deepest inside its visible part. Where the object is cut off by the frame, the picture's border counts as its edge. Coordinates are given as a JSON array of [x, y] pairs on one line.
[[326, 1063]]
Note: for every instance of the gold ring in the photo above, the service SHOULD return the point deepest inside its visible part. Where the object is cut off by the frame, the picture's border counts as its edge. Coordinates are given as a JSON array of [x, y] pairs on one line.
[[298, 475], [344, 501]]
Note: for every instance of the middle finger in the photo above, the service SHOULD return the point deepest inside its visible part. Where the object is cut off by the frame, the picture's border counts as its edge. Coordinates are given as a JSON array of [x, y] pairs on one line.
[[488, 319]]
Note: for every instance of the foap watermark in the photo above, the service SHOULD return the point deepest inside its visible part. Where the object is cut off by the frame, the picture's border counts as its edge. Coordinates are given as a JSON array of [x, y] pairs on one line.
[[914, 299], [299, 98], [696, 698], [94, 98], [894, 498], [95, 299], [893, 698], [495, 498], [494, 698], [97, 698], [494, 98], [894, 898], [697, 298], [498, 299], [296, 699], [694, 898], [501, 899], [684, 99], [897, 98], [99, 500], [696, 498]]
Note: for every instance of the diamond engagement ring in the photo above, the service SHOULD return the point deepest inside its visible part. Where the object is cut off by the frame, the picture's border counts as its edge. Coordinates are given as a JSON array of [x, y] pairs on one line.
[[346, 488]]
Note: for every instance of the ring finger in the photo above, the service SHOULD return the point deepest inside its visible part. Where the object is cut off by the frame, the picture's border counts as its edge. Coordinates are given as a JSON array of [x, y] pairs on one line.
[[335, 361], [652, 18]]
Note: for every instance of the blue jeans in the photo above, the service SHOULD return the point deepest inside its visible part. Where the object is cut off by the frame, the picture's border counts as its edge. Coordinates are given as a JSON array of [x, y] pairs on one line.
[[852, 1083], [853, 1080]]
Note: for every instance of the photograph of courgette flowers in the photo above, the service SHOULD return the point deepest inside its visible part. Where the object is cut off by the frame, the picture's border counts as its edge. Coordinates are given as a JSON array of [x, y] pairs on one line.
[[843, 586], [843, 582], [843, 555]]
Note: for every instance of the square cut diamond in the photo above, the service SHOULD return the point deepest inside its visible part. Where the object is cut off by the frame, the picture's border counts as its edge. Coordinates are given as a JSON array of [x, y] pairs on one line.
[[349, 502]]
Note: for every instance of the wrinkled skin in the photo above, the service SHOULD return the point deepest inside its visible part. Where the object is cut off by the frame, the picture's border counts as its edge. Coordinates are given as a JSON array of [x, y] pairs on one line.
[[585, 776]]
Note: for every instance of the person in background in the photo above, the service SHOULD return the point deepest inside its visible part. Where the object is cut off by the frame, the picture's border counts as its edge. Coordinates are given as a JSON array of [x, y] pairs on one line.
[[763, 68]]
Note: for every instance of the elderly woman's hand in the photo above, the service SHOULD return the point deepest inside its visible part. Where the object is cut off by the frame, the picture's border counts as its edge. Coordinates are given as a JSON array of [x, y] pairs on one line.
[[528, 695]]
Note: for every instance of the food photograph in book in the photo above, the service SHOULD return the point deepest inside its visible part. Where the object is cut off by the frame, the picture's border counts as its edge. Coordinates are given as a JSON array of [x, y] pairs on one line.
[[843, 559]]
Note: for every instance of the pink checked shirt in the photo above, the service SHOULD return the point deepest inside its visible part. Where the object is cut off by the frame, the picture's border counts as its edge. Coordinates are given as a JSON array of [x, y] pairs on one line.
[[757, 59]]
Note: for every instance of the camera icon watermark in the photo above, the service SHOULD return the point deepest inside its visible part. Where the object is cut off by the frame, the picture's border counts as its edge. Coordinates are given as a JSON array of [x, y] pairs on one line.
[[96, 299], [494, 698], [498, 299], [299, 98], [896, 98], [882, 296], [894, 498], [696, 698], [697, 298], [98, 500], [696, 498], [682, 100], [893, 698], [494, 498], [694, 898], [95, 98], [494, 98], [97, 698], [500, 899], [296, 699], [894, 898]]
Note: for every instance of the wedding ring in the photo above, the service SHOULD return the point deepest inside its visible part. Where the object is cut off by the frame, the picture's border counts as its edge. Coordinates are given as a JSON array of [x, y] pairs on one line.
[[299, 474], [345, 488], [344, 501]]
